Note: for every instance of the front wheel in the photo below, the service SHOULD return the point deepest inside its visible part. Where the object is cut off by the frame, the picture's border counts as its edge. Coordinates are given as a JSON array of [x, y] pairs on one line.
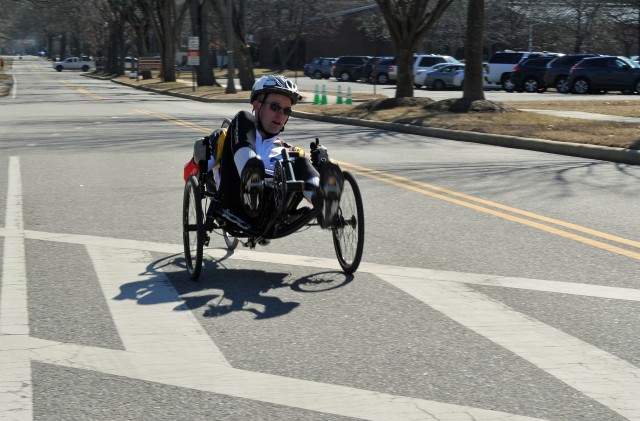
[[562, 85], [531, 85], [193, 229], [348, 230], [581, 86]]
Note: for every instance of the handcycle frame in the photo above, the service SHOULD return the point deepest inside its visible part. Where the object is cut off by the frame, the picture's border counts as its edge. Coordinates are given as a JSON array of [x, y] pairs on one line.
[[280, 216]]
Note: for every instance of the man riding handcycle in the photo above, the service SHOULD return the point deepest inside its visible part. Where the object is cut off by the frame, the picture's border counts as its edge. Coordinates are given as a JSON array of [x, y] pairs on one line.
[[246, 182]]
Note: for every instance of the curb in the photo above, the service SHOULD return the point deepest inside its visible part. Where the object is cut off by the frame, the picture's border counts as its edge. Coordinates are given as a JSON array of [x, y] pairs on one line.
[[179, 94], [603, 153]]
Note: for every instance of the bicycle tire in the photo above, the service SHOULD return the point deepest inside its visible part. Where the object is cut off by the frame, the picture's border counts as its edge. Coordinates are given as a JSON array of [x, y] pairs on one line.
[[348, 230], [193, 229]]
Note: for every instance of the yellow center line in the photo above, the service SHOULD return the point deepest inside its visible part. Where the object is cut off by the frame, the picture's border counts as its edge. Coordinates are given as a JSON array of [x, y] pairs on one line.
[[409, 184], [177, 121], [420, 187], [81, 90]]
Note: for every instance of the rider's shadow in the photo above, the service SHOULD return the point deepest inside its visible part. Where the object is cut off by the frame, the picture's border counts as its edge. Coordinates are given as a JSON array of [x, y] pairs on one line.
[[242, 290], [222, 290]]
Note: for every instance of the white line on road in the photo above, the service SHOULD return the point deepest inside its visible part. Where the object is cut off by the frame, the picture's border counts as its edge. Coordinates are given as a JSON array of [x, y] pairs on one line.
[[15, 373], [606, 378]]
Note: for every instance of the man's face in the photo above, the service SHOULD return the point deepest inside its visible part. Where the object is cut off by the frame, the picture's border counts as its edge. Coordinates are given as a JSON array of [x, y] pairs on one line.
[[273, 113]]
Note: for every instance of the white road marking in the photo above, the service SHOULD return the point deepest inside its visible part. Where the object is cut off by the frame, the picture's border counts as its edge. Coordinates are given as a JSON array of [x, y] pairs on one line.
[[15, 373], [164, 328], [606, 378], [158, 336]]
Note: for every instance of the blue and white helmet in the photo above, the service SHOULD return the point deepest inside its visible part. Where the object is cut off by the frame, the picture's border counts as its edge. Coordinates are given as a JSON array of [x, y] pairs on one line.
[[275, 85]]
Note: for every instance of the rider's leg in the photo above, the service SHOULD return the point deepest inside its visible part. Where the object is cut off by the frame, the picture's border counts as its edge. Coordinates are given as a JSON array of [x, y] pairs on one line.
[[239, 148], [327, 188]]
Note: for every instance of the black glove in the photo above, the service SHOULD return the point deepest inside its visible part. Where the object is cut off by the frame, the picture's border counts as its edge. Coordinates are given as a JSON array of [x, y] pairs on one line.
[[318, 153]]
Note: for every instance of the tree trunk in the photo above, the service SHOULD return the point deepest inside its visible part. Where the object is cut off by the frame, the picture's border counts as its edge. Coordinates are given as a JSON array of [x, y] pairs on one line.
[[473, 88], [404, 61], [167, 42], [244, 62], [199, 15]]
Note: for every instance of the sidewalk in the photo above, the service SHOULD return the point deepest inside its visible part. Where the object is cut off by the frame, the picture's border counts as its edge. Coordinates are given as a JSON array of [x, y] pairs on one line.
[[584, 116]]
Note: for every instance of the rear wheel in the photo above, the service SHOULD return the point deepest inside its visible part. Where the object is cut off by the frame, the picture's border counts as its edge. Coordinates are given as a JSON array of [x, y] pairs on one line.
[[193, 229], [317, 74], [382, 79], [348, 230], [345, 77], [507, 85]]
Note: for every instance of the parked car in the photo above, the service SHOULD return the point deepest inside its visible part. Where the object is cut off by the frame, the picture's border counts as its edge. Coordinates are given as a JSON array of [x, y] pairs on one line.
[[427, 61], [420, 75], [383, 72], [448, 76], [606, 73], [348, 68], [557, 71], [320, 67], [501, 65], [367, 72], [424, 62], [528, 76]]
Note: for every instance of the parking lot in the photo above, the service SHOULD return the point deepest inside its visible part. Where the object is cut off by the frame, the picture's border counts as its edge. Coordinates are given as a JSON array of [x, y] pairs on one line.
[[331, 86]]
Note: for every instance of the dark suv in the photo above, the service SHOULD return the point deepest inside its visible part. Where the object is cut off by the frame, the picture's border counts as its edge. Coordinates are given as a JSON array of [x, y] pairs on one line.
[[501, 65], [528, 76], [320, 67], [558, 71], [347, 68], [382, 71], [368, 69], [606, 73]]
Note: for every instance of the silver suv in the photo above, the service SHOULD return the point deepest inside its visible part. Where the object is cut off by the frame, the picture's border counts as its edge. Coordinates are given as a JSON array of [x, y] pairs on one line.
[[501, 66]]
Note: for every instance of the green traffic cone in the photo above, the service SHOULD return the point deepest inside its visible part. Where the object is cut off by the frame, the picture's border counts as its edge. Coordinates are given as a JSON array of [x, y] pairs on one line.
[[323, 101], [349, 101], [316, 96], [339, 101]]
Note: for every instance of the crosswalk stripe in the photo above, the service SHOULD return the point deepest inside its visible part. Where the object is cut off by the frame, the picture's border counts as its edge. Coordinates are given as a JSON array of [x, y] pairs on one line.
[[162, 326], [603, 377]]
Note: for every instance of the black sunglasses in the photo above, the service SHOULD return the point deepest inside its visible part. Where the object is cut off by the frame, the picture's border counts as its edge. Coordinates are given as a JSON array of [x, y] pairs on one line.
[[277, 107]]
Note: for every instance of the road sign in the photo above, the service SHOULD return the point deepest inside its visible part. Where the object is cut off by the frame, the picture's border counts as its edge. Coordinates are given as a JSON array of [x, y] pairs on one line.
[[193, 58], [194, 43]]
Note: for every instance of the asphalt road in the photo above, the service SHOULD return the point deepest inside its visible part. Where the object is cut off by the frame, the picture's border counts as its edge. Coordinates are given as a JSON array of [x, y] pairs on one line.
[[496, 283]]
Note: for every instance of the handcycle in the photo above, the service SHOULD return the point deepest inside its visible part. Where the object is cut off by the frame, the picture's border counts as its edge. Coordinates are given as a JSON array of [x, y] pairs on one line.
[[280, 215]]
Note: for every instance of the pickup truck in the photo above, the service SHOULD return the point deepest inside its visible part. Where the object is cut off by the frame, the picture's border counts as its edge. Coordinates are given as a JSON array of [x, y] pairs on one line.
[[75, 63]]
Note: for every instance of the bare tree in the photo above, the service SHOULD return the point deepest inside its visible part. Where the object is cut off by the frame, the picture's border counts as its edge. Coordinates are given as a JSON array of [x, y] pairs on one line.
[[409, 22]]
